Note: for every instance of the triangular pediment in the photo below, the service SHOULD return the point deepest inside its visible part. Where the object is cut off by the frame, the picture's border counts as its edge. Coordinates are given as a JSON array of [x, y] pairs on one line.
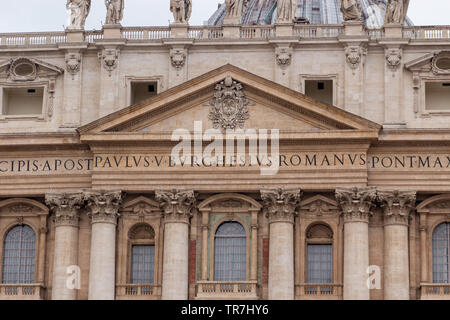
[[28, 69], [228, 98]]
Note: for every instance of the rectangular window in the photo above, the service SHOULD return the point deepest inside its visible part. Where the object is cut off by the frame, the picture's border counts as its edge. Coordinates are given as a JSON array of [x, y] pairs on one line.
[[320, 263], [22, 101], [437, 96], [321, 90], [142, 264], [141, 91]]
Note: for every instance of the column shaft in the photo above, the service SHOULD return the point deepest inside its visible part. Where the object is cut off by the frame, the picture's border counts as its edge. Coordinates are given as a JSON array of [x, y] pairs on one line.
[[281, 261], [176, 262], [396, 262], [356, 261], [280, 206], [66, 254], [104, 208], [103, 262], [177, 210]]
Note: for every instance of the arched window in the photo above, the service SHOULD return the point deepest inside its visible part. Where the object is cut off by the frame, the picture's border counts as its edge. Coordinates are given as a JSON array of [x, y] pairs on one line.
[[19, 251], [230, 252], [441, 247], [142, 237], [320, 254]]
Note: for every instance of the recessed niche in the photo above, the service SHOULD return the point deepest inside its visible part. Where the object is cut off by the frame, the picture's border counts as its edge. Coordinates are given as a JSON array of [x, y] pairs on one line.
[[23, 101]]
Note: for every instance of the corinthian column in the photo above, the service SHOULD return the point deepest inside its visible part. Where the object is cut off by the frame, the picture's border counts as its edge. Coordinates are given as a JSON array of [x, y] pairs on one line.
[[356, 204], [280, 206], [397, 206], [177, 210], [66, 216], [103, 210]]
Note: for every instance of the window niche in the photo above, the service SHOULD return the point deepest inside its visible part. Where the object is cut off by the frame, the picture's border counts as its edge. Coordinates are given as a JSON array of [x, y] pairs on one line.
[[27, 89], [139, 260], [23, 101], [320, 87], [431, 84], [142, 88]]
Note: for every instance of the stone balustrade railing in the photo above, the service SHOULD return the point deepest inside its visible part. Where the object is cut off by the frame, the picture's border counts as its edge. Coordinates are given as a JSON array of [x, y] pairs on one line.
[[435, 291], [319, 290], [318, 31], [21, 292], [137, 291], [217, 32], [225, 289]]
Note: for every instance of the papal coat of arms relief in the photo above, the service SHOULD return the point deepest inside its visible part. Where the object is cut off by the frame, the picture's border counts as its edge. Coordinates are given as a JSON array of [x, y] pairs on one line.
[[229, 106]]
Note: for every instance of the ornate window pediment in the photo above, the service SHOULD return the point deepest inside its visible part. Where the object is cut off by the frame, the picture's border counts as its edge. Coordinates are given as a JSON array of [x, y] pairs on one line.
[[28, 69]]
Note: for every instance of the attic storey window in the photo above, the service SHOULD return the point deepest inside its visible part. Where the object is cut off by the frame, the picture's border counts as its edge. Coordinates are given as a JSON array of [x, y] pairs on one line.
[[22, 101], [143, 90]]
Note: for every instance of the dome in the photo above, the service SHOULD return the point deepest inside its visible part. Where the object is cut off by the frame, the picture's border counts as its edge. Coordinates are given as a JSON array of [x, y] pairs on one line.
[[310, 11]]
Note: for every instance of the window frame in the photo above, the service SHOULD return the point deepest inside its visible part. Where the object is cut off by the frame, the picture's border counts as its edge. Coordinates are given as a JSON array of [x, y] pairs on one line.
[[323, 77], [129, 80], [320, 241], [432, 252], [137, 242], [43, 116], [36, 254], [212, 236]]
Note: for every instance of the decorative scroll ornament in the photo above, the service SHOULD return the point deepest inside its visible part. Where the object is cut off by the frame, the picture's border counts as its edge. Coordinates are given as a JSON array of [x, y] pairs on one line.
[[229, 106], [177, 205], [393, 58], [280, 205], [354, 55], [66, 207], [356, 202], [177, 58], [103, 205], [109, 58], [283, 56], [397, 205], [441, 63], [22, 69], [73, 63]]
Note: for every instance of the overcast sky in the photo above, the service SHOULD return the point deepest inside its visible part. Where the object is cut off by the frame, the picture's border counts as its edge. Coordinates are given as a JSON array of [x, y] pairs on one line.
[[51, 15]]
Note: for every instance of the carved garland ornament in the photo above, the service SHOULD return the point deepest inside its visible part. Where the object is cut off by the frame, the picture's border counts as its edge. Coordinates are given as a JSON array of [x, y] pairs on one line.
[[177, 58], [354, 55], [280, 205], [229, 106], [73, 63], [394, 58], [110, 59]]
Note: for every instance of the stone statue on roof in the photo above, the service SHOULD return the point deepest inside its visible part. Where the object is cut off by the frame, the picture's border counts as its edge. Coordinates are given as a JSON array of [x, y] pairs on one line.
[[351, 10]]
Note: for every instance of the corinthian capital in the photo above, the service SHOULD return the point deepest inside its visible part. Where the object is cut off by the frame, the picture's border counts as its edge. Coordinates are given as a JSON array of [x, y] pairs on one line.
[[280, 205], [397, 205], [103, 205], [356, 202], [66, 207], [177, 205]]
